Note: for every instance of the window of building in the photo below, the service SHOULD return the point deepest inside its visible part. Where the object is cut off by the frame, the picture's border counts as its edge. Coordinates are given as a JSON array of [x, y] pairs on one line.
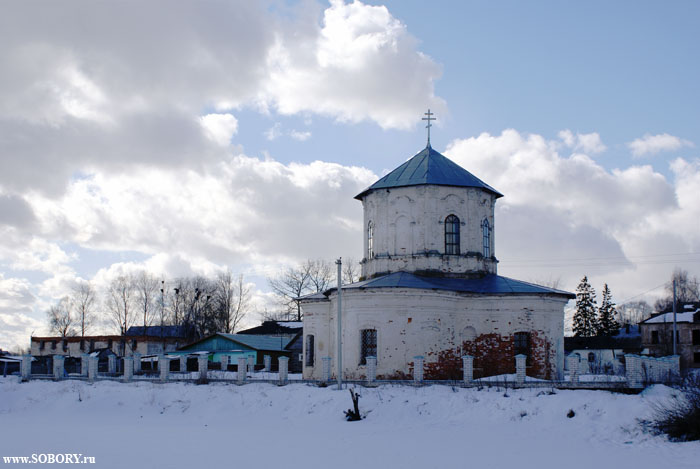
[[521, 344], [310, 355], [452, 235], [82, 345], [109, 344], [370, 240], [486, 230], [696, 357], [368, 344], [42, 344], [53, 345], [696, 336], [591, 357], [65, 345], [134, 344], [654, 337], [92, 345]]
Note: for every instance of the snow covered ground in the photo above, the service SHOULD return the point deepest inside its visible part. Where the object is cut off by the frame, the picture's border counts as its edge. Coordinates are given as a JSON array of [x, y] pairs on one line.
[[181, 425]]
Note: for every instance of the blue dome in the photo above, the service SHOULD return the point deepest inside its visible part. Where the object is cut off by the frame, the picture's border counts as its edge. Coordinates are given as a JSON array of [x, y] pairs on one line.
[[429, 167]]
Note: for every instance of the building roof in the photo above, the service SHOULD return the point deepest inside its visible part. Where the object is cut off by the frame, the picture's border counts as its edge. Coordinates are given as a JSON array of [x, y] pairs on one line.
[[275, 327], [157, 331], [256, 342], [684, 315], [429, 167], [488, 284]]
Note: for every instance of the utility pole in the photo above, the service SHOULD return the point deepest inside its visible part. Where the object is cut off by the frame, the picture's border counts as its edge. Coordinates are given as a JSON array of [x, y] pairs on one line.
[[674, 316], [339, 371]]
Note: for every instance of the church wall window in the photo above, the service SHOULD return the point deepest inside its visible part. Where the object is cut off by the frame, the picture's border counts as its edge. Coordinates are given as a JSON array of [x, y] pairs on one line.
[[521, 344], [368, 344], [452, 235], [486, 229], [310, 355], [370, 240]]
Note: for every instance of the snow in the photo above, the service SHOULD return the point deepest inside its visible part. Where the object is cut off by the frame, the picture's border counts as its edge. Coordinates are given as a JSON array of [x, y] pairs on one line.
[[686, 316], [182, 425]]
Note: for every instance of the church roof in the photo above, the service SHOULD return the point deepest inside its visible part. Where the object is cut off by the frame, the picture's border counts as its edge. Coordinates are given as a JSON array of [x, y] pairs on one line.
[[429, 167], [489, 284]]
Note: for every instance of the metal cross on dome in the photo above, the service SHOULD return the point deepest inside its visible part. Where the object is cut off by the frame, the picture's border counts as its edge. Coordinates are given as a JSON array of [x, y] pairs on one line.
[[429, 118]]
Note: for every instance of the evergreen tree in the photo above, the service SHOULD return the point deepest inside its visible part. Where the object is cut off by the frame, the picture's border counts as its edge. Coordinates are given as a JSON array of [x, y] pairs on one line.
[[585, 320], [607, 324]]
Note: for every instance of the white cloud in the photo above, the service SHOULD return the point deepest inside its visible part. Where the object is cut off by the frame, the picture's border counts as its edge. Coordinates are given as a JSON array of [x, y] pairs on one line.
[[220, 128], [299, 135], [566, 216], [274, 132], [653, 144], [587, 143], [349, 68]]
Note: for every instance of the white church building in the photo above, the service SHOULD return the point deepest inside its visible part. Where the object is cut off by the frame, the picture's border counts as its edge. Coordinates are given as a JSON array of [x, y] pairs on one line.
[[429, 286]]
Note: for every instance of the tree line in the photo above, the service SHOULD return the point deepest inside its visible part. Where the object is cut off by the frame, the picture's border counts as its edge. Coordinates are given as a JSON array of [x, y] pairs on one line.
[[200, 305]]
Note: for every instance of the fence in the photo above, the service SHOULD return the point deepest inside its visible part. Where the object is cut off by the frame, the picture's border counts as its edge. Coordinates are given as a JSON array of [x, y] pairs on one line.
[[639, 371]]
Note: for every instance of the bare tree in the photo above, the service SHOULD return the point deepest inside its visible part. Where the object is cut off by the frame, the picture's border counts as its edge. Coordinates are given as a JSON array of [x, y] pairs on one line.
[[634, 312], [232, 300], [687, 290], [119, 302], [146, 290], [83, 301], [351, 271], [321, 275], [61, 321], [290, 285]]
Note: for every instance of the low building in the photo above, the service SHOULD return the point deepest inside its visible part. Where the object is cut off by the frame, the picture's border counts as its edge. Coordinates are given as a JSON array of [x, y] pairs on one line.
[[146, 341], [290, 329], [657, 334], [234, 346]]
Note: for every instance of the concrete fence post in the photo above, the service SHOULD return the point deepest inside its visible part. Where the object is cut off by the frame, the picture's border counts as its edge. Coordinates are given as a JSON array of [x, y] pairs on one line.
[[467, 369], [326, 369], [283, 365], [164, 367], [371, 370], [224, 362], [58, 369], [241, 375], [418, 368], [137, 362], [251, 364], [572, 362], [83, 364], [93, 363], [128, 369], [633, 371], [183, 363], [111, 364], [26, 367], [268, 363], [202, 366], [520, 368]]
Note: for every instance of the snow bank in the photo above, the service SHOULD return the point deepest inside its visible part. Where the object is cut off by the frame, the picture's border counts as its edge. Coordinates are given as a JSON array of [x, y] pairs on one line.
[[261, 425]]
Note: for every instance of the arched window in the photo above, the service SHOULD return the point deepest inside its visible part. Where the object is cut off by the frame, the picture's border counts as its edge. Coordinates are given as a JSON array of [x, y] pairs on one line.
[[370, 240], [451, 235], [487, 238]]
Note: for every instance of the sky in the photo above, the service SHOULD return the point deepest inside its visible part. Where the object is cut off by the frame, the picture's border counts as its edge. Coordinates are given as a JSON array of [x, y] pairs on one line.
[[189, 137]]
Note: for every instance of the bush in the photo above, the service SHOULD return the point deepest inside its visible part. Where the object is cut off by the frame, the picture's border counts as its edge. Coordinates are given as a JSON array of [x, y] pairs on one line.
[[680, 419]]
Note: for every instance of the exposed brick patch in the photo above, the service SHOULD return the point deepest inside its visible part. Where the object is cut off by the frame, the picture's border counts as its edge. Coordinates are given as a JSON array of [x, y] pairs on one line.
[[493, 355]]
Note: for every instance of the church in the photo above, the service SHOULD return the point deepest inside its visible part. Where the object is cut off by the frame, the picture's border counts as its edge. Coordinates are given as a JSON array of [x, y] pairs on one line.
[[429, 286]]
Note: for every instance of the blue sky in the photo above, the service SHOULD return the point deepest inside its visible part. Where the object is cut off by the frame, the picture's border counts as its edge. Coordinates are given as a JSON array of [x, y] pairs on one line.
[[235, 135]]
